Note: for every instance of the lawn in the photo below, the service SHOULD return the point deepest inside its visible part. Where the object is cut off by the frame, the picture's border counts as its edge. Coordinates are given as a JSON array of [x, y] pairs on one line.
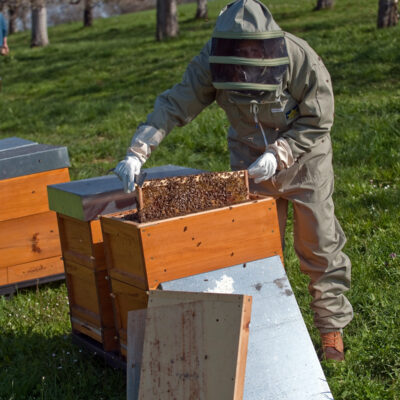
[[89, 90]]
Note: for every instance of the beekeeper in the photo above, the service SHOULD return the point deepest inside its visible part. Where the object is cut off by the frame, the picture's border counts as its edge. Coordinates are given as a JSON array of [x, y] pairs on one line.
[[277, 95]]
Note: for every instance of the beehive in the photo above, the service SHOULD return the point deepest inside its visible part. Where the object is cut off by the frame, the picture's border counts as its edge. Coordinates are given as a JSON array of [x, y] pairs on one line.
[[30, 250], [78, 205], [143, 255]]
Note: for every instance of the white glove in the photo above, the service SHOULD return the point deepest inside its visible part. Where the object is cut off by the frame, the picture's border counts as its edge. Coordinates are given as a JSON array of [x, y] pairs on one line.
[[126, 170], [263, 168]]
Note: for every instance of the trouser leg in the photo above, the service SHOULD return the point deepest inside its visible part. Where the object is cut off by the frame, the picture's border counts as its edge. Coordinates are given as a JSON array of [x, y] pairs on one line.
[[282, 209], [318, 240]]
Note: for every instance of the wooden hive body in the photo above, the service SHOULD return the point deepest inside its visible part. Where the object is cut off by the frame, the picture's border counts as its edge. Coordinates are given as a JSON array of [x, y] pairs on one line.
[[86, 277], [30, 251], [78, 205], [143, 255]]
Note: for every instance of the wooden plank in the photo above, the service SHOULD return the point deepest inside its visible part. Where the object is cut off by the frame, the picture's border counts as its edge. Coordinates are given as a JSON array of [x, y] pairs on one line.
[[192, 244], [90, 301], [3, 276], [211, 240], [35, 269], [195, 346], [126, 298], [82, 241], [135, 335], [26, 195], [29, 239], [123, 250], [86, 328], [83, 297]]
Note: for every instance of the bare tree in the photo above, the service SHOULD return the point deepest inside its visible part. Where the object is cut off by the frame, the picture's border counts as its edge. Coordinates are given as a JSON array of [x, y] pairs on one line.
[[388, 14], [167, 19], [322, 4], [202, 11], [39, 24], [12, 16], [87, 11]]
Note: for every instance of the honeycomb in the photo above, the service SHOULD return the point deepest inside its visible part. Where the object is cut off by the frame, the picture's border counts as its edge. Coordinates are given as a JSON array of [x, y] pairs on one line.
[[176, 196]]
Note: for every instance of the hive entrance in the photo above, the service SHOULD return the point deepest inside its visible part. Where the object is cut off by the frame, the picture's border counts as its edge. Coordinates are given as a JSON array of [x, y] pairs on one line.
[[176, 196]]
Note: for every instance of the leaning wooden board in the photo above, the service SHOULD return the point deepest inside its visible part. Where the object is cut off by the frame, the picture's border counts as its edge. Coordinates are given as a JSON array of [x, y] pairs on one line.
[[194, 346]]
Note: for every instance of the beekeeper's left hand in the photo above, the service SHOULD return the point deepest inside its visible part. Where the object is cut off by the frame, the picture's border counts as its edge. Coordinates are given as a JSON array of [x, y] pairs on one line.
[[263, 168]]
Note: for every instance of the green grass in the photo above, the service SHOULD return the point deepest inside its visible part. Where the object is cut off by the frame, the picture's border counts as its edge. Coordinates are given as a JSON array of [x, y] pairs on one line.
[[89, 90]]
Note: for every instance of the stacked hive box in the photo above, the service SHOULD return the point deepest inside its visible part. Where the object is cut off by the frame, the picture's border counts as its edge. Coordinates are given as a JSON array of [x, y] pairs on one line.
[[29, 242], [78, 205], [140, 256]]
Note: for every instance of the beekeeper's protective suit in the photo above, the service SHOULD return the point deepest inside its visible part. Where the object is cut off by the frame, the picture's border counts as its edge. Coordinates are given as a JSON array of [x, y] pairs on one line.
[[267, 81]]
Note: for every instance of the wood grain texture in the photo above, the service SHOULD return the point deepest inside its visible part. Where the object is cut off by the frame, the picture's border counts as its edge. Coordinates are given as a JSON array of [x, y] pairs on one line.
[[35, 269], [146, 255], [82, 241], [29, 239], [125, 298], [3, 276], [27, 195], [211, 240], [123, 250], [195, 346], [135, 340], [90, 301]]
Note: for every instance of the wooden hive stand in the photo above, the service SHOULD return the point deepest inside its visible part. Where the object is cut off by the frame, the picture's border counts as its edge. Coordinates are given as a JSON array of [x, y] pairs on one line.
[[30, 250]]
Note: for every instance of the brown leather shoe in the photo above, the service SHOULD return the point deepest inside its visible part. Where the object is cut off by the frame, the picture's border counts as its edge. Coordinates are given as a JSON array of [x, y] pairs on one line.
[[332, 346]]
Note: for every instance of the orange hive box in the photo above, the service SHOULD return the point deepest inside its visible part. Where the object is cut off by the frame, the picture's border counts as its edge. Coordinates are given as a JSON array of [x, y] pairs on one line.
[[30, 250]]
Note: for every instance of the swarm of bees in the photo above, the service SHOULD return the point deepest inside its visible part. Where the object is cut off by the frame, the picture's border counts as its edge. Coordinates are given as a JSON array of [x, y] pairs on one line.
[[172, 197]]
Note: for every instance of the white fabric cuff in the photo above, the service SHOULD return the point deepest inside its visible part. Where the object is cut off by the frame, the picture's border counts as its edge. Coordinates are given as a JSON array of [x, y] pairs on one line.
[[144, 141], [283, 153]]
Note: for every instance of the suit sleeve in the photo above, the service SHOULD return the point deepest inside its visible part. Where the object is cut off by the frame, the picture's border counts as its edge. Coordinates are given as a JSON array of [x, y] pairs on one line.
[[310, 85], [176, 106]]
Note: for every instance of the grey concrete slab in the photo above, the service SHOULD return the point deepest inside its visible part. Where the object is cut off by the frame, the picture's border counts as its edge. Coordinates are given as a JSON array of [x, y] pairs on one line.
[[86, 199], [281, 362]]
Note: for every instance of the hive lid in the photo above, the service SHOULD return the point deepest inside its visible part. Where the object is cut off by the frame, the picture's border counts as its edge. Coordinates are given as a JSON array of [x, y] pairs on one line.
[[19, 157], [86, 199]]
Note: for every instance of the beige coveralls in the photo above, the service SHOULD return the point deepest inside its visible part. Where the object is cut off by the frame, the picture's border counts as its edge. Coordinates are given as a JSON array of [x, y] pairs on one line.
[[301, 112]]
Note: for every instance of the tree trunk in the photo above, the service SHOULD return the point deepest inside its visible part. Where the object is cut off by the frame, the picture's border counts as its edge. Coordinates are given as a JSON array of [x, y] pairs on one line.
[[167, 19], [202, 9], [12, 18], [88, 13], [388, 13], [39, 25], [322, 4]]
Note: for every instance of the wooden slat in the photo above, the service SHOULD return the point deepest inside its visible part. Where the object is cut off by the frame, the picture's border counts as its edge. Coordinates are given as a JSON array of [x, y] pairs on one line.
[[123, 251], [135, 335], [86, 328], [26, 195], [195, 346], [81, 241], [207, 241], [3, 276], [89, 298], [29, 239], [82, 292], [126, 298], [35, 270], [192, 244]]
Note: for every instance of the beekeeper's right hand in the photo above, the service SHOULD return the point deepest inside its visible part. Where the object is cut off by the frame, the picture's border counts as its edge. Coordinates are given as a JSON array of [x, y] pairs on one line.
[[127, 170]]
